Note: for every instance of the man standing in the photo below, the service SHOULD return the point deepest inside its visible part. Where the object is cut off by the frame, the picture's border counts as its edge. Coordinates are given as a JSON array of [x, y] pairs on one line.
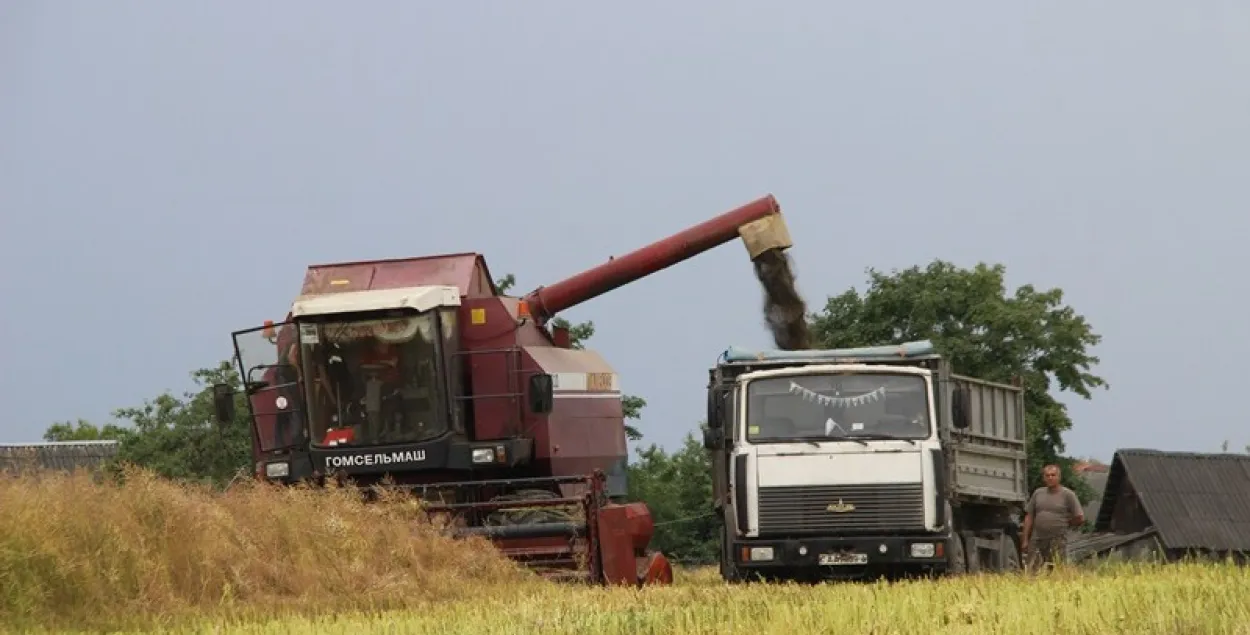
[[1048, 515]]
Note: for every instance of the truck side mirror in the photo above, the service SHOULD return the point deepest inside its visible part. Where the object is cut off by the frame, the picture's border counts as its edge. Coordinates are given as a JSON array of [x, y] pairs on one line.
[[713, 438], [542, 393], [960, 417], [714, 410], [223, 404]]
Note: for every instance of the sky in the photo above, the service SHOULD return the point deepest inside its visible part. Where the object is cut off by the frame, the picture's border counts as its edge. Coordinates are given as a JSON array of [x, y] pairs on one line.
[[168, 170]]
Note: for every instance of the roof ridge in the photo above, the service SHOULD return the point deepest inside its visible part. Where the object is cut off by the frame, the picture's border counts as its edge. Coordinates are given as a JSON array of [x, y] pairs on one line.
[[1182, 454]]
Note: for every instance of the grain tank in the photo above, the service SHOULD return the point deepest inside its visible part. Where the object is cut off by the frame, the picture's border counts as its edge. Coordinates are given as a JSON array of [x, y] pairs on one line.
[[420, 373]]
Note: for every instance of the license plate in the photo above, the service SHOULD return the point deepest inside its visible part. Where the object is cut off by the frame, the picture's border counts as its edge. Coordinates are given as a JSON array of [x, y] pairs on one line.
[[843, 558]]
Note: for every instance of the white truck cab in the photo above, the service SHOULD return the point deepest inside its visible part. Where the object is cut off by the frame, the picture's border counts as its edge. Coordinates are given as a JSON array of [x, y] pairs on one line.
[[838, 463]]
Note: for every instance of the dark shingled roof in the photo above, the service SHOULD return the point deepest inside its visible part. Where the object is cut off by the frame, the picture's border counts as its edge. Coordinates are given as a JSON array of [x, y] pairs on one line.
[[1082, 546], [63, 455], [1195, 501]]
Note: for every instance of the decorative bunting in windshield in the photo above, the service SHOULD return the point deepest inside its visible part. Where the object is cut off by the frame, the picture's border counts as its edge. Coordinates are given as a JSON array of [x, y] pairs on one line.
[[391, 331], [859, 400]]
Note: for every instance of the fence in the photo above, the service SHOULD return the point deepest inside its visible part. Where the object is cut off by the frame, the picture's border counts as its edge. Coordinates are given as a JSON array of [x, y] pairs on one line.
[[63, 456]]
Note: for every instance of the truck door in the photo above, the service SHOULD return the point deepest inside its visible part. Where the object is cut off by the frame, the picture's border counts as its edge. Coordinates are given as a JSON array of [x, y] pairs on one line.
[[270, 378], [739, 461]]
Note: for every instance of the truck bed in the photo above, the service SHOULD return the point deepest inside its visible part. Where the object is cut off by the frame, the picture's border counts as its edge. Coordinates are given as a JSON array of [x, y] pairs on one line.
[[988, 458]]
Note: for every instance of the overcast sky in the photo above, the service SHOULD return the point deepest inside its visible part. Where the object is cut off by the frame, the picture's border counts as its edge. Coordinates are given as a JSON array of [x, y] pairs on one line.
[[168, 169]]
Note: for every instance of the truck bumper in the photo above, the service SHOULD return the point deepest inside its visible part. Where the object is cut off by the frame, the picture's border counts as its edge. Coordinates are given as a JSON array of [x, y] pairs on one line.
[[841, 557]]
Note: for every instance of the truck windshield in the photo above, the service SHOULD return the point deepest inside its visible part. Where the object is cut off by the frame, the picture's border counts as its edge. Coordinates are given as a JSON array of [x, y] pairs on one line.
[[833, 407], [373, 382]]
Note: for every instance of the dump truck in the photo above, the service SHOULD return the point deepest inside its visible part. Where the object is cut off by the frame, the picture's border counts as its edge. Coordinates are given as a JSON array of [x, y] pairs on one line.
[[419, 374], [857, 462]]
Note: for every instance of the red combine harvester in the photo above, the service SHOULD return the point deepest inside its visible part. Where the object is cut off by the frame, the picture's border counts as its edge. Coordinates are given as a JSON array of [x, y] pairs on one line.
[[416, 373]]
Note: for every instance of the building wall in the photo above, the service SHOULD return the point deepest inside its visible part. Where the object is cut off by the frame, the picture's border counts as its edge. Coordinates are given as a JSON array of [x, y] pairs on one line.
[[1128, 515]]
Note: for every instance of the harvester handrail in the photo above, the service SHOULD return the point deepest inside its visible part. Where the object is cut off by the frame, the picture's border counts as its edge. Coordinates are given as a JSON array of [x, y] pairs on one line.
[[542, 502], [538, 480]]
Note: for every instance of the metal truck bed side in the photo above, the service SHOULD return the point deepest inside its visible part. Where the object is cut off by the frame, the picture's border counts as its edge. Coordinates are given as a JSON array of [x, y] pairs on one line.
[[989, 456]]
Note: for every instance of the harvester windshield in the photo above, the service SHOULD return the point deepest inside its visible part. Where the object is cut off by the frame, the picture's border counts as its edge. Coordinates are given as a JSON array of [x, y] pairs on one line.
[[835, 407], [374, 382]]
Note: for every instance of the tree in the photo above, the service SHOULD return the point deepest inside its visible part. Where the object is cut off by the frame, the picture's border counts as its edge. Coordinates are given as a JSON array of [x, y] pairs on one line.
[[632, 405], [986, 333], [177, 437], [678, 491], [83, 431]]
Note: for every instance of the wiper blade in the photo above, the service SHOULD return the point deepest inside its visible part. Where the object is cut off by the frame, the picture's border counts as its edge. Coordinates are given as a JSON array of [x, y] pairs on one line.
[[884, 437]]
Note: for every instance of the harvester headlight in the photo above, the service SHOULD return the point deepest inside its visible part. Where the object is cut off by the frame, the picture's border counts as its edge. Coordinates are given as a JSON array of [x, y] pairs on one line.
[[761, 554], [277, 470], [923, 550], [483, 455]]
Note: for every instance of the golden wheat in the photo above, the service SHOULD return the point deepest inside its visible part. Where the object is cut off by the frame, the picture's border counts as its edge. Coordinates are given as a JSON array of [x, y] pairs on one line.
[[154, 556]]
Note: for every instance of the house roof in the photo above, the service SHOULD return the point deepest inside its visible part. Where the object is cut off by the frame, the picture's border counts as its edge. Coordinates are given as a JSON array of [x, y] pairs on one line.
[[1082, 546], [1195, 501]]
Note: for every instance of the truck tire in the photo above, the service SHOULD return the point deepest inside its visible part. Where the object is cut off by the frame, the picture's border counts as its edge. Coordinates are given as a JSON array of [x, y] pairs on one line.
[[957, 561], [958, 564], [728, 570], [1008, 557]]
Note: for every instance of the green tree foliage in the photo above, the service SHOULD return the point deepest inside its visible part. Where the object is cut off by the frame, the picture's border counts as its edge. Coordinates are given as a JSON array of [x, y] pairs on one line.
[[176, 437], [678, 490], [987, 333], [83, 431], [179, 437]]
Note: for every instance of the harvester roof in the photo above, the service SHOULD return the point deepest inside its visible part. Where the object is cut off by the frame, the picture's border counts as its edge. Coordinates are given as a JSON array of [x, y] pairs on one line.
[[421, 298], [466, 272]]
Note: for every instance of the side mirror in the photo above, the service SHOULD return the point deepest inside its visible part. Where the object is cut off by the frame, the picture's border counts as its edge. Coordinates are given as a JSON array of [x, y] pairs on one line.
[[223, 403], [714, 409], [542, 393], [960, 417], [713, 439]]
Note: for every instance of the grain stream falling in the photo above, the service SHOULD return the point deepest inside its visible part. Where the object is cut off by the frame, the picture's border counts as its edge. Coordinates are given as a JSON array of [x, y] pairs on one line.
[[785, 313]]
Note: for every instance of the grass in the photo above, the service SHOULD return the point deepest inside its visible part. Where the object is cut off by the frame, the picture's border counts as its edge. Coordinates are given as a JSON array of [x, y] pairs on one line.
[[154, 556], [75, 552]]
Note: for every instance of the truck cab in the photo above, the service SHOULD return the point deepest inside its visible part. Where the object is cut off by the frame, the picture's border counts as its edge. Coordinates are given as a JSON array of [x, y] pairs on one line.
[[836, 463]]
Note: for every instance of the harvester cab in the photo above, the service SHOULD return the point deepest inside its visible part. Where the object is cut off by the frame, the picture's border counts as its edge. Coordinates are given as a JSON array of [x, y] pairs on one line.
[[418, 374]]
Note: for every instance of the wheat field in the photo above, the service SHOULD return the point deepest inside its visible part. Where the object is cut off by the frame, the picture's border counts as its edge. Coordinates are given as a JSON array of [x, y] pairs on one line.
[[151, 556]]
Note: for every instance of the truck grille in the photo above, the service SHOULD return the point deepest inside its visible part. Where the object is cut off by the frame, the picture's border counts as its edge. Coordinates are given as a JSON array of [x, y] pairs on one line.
[[878, 508]]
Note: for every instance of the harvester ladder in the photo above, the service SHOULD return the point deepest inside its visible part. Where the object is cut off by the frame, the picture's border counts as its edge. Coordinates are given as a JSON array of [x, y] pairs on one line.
[[513, 391]]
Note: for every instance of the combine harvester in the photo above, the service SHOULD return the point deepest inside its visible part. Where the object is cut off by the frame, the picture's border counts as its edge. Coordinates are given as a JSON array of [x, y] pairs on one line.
[[417, 373]]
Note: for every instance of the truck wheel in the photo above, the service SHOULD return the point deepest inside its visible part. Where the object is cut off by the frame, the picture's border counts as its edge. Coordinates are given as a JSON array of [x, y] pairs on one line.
[[959, 557], [957, 563], [1008, 553], [728, 570]]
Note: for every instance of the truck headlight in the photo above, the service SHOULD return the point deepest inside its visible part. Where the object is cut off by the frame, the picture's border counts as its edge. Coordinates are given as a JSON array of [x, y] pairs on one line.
[[483, 455], [278, 470], [761, 554], [922, 550]]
